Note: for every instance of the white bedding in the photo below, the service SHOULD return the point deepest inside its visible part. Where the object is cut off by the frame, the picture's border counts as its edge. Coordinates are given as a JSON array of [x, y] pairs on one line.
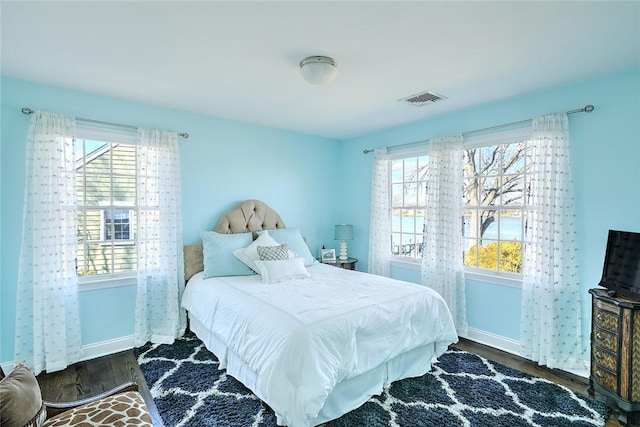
[[301, 338]]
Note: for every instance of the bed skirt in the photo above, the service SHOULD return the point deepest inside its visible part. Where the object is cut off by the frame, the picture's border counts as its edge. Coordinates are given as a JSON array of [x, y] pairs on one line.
[[347, 395]]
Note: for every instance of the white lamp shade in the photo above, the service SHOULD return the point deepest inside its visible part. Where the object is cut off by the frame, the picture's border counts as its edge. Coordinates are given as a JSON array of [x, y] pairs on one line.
[[318, 69]]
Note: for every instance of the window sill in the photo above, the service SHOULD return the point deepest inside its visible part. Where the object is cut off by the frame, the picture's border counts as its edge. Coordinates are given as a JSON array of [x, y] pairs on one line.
[[409, 265], [493, 279], [92, 284], [513, 282]]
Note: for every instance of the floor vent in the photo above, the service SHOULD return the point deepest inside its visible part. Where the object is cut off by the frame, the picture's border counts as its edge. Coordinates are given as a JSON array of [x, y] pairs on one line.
[[423, 98]]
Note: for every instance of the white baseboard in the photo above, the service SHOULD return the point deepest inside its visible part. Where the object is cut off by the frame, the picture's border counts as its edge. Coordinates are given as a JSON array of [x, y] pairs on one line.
[[492, 340], [511, 346], [91, 351], [104, 348]]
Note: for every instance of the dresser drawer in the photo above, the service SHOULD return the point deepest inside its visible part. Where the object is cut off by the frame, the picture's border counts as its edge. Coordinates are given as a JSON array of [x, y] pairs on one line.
[[606, 316], [605, 378], [605, 359], [605, 339]]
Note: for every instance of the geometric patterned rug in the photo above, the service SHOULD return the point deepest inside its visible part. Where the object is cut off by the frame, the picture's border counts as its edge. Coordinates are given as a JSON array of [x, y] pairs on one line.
[[462, 389]]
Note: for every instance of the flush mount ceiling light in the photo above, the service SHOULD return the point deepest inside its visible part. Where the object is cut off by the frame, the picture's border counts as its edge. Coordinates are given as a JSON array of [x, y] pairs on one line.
[[318, 69]]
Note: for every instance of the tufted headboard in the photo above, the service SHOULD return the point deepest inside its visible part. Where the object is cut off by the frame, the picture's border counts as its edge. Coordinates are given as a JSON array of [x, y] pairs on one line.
[[250, 215]]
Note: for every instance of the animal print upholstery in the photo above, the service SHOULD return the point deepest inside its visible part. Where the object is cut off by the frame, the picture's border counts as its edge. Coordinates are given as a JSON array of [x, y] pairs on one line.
[[122, 409]]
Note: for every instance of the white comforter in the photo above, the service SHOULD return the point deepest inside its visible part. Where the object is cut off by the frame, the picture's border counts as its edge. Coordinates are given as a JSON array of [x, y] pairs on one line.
[[302, 337]]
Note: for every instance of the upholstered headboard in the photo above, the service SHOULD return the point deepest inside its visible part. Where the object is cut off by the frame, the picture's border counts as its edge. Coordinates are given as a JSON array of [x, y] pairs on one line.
[[250, 215]]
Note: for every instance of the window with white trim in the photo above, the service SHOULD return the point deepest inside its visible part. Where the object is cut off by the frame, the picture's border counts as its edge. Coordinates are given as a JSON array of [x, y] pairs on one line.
[[494, 199], [106, 197], [407, 206], [496, 183]]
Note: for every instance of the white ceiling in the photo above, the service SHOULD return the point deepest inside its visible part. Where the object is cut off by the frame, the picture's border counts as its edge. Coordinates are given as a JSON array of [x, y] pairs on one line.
[[239, 60]]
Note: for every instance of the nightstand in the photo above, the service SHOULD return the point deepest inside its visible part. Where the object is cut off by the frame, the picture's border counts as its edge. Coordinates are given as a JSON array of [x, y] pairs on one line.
[[349, 264]]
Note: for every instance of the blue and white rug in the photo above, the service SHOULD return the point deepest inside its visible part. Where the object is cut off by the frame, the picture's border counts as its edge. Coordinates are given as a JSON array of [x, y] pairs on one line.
[[463, 389]]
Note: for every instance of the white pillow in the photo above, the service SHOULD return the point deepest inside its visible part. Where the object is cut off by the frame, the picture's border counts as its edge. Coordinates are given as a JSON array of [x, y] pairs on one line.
[[285, 269], [249, 254], [294, 241]]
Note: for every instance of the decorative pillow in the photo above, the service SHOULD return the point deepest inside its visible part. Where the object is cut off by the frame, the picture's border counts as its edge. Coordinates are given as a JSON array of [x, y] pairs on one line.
[[20, 399], [218, 254], [249, 254], [286, 269], [294, 241], [273, 253]]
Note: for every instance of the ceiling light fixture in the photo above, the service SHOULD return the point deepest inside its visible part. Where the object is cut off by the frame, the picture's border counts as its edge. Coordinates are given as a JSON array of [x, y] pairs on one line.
[[318, 70]]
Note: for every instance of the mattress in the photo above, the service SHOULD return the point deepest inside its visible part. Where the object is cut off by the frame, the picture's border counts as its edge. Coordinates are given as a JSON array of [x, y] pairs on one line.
[[300, 344]]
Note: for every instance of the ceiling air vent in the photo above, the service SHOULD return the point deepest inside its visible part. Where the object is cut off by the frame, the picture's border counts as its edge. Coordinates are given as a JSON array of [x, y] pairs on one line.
[[420, 99]]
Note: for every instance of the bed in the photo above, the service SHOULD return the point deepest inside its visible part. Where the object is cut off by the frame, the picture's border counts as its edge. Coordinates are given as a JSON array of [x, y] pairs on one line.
[[315, 341]]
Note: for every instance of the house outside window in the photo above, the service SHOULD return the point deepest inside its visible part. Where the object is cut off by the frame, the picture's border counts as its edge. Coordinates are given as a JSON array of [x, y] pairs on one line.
[[494, 199], [106, 196], [116, 225]]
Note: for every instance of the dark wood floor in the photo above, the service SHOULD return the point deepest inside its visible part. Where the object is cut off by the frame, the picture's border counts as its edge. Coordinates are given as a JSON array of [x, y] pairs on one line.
[[95, 376], [86, 379]]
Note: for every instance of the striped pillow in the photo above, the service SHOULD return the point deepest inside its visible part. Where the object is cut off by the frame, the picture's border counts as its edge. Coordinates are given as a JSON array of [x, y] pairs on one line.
[[273, 253]]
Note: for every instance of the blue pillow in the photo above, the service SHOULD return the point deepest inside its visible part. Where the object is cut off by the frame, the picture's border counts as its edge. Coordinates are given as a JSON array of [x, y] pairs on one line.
[[294, 241], [218, 254]]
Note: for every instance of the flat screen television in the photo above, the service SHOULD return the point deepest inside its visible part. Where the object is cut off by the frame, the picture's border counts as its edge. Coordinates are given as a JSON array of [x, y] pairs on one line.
[[621, 272]]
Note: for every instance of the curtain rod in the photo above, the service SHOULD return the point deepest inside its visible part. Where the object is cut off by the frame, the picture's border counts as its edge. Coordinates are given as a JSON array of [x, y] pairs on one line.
[[586, 109], [27, 110]]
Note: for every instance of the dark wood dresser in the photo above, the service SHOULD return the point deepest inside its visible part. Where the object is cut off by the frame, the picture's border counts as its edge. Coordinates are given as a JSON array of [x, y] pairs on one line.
[[615, 352]]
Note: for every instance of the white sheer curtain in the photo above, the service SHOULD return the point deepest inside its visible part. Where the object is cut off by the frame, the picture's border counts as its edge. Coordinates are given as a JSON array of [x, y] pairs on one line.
[[47, 310], [379, 223], [551, 319], [158, 315], [442, 263]]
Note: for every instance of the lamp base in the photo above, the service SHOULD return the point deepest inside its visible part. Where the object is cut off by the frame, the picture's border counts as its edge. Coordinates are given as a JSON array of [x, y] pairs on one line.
[[343, 251]]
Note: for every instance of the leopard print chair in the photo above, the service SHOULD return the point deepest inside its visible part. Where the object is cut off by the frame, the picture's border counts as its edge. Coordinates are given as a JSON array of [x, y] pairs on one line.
[[21, 404]]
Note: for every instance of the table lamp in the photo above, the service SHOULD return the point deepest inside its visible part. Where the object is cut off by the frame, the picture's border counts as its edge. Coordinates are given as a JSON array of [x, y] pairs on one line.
[[344, 232]]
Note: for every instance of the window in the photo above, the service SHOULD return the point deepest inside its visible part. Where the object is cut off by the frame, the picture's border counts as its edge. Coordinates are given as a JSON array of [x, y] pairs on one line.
[[106, 195], [116, 224], [407, 206], [494, 198]]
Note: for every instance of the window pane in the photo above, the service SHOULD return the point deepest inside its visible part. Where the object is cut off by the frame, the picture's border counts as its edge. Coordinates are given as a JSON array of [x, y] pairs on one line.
[[488, 255], [514, 190], [89, 225], [420, 221], [471, 253], [124, 160], [511, 257], [410, 170], [488, 225], [98, 258], [396, 170], [422, 167], [396, 220], [489, 160], [124, 189], [124, 258], [397, 195], [411, 194], [396, 243], [511, 225]]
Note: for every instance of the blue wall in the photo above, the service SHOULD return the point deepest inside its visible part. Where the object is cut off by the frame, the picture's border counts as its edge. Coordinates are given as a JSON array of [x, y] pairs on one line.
[[315, 183], [223, 162], [606, 167]]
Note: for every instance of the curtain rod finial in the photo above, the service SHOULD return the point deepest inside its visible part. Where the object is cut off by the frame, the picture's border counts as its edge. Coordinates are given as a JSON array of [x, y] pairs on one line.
[[589, 108], [26, 110]]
